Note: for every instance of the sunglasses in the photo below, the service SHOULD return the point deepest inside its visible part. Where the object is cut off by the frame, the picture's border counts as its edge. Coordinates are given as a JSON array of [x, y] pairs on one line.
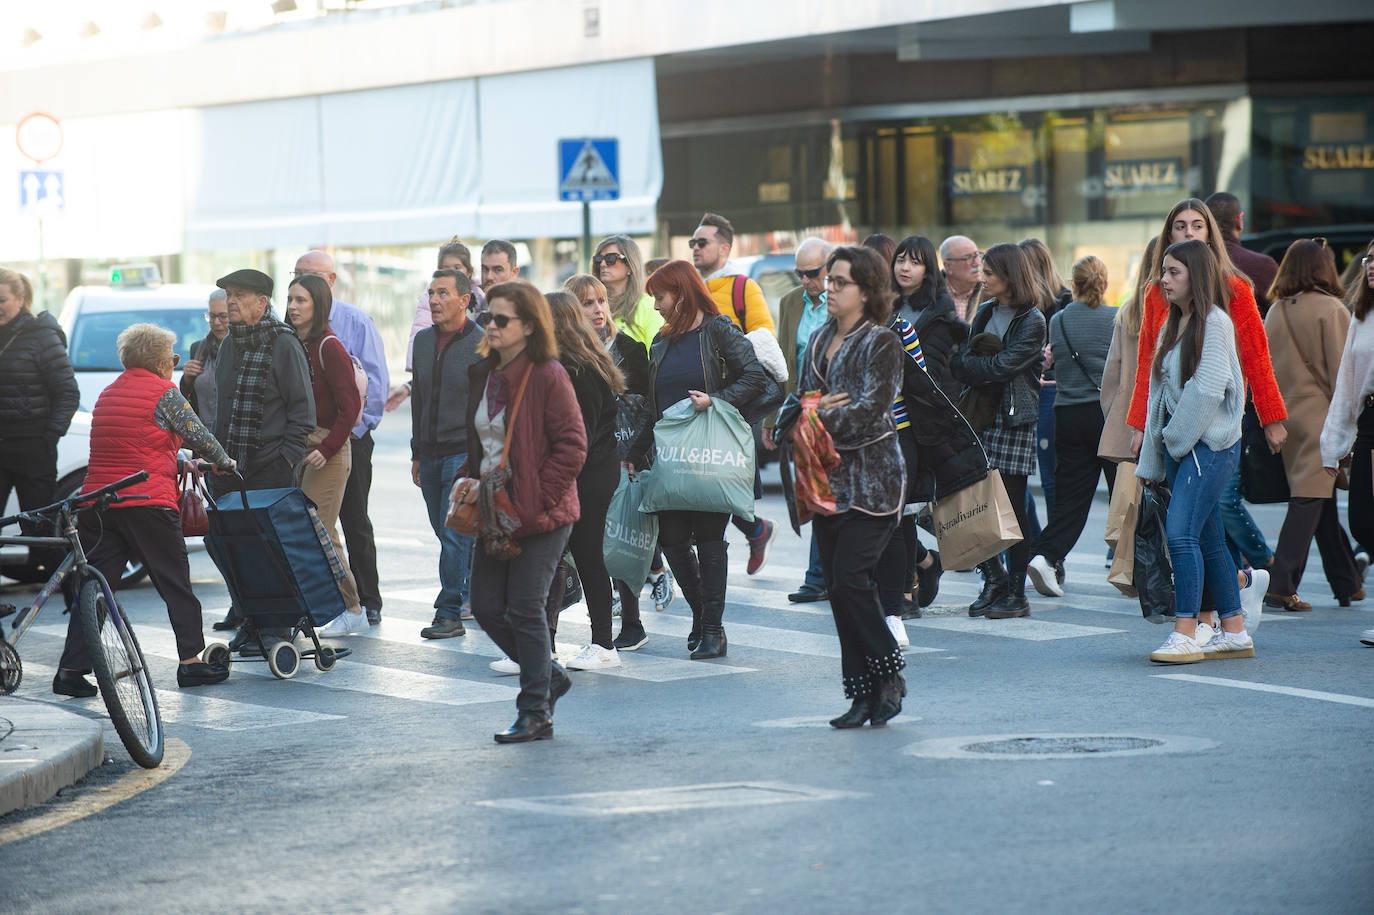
[[809, 274], [610, 260], [698, 242], [488, 318]]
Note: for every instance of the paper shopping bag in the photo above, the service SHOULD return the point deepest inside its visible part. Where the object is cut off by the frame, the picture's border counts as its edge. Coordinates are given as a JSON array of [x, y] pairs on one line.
[[1124, 494], [1122, 573], [975, 523]]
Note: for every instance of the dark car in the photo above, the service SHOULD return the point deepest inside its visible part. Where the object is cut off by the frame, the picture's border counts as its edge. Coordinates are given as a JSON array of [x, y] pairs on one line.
[[1347, 242]]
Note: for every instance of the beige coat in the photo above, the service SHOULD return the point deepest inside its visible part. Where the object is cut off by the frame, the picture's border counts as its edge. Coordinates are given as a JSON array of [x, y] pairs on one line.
[[1118, 381], [1309, 326]]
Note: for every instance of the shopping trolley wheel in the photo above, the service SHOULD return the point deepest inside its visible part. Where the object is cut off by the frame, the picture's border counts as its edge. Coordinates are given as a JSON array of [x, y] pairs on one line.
[[325, 658], [284, 659], [216, 653]]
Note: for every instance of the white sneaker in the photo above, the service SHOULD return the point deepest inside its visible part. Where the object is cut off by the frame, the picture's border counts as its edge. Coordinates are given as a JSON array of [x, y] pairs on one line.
[[1228, 645], [615, 602], [1177, 649], [661, 586], [1367, 637], [1205, 633], [1042, 576], [344, 624], [1362, 563], [894, 625], [1252, 599], [505, 667], [594, 657]]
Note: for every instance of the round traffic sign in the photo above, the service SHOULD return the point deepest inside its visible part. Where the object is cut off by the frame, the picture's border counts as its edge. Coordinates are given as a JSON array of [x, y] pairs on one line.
[[39, 137]]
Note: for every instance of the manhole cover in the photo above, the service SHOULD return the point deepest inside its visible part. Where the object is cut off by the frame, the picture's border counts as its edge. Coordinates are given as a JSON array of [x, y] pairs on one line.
[[1014, 746], [1055, 746]]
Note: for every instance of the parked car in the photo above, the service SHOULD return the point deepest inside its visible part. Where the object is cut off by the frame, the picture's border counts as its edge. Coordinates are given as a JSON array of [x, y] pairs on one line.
[[94, 316], [1347, 242]]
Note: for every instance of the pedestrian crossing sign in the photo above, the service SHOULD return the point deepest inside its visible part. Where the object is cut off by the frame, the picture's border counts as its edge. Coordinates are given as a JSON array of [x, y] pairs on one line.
[[589, 169]]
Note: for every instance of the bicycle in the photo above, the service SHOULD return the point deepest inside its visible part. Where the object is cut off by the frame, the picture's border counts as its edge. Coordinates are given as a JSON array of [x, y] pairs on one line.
[[120, 671]]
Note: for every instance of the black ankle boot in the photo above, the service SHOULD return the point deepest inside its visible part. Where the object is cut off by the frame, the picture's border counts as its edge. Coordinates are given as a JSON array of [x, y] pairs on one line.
[[995, 585], [687, 573], [856, 716], [1009, 606], [714, 571], [887, 702]]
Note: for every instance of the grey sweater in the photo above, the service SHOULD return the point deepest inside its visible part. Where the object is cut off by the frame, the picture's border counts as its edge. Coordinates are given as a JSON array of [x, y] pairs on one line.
[[1090, 329], [1207, 409]]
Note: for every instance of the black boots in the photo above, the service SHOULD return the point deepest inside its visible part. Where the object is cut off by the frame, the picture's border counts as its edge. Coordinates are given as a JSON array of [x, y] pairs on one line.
[[996, 585], [1009, 606], [887, 701], [683, 561], [714, 571], [856, 716]]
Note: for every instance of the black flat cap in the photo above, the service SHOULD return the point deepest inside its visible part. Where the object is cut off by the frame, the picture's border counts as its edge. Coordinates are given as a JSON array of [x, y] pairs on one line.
[[252, 280]]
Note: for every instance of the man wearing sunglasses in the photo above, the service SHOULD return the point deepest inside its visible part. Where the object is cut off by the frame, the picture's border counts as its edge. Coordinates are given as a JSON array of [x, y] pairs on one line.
[[1260, 268], [800, 312], [438, 434]]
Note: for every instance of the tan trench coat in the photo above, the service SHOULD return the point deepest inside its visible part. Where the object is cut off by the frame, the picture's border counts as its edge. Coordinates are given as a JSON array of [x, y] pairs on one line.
[[1118, 381], [1306, 337]]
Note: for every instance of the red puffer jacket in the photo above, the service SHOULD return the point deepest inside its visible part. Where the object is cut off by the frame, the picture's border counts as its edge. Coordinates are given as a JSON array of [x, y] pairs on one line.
[[126, 439]]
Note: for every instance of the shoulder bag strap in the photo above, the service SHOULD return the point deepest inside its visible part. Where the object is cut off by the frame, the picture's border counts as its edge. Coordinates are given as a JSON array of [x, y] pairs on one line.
[[1283, 313], [513, 412], [1073, 351], [737, 289]]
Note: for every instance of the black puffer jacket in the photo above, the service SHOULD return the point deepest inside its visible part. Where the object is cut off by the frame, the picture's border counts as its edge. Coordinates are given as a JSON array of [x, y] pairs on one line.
[[949, 455], [38, 393], [1016, 367], [732, 371]]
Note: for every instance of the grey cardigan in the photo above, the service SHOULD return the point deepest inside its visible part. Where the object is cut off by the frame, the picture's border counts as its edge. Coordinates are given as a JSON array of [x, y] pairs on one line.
[[1207, 409], [871, 476]]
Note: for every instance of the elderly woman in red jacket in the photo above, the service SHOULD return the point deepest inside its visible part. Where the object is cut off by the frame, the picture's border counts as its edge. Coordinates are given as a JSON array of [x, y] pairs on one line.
[[523, 422], [140, 421]]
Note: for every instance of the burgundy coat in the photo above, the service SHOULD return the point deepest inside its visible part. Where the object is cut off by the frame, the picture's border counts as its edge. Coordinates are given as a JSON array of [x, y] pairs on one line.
[[547, 446]]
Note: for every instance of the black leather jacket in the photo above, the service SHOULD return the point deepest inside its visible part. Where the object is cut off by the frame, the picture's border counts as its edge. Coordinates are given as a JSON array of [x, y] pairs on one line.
[[1016, 367], [732, 373]]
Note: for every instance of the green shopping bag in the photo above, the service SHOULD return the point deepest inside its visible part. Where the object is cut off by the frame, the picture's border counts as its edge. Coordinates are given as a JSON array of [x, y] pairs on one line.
[[630, 533], [703, 461]]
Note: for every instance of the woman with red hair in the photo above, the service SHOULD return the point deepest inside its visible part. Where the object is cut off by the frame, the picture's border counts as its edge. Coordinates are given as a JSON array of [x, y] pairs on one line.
[[698, 354]]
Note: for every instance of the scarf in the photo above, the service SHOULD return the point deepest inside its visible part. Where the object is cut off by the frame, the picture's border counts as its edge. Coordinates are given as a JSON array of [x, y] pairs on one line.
[[253, 350]]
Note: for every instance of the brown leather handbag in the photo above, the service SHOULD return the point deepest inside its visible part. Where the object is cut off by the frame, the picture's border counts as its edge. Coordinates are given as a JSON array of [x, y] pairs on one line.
[[465, 511]]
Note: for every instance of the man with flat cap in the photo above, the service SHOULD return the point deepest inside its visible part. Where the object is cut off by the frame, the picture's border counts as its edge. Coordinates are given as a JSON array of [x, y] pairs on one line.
[[265, 404]]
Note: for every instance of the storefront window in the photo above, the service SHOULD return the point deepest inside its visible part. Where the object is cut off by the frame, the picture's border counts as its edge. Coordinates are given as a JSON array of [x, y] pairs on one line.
[[1314, 162]]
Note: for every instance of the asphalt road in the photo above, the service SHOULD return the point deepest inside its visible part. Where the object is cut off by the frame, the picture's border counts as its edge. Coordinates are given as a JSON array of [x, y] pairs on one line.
[[680, 786]]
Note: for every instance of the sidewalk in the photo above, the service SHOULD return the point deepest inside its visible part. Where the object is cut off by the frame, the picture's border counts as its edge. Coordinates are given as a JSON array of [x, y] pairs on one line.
[[43, 749]]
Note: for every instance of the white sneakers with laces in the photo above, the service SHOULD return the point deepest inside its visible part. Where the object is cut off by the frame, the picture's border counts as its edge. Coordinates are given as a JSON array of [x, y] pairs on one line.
[[1225, 645], [661, 586], [1042, 576], [505, 666], [594, 657], [1177, 649], [1252, 599], [894, 625], [344, 624], [1205, 633]]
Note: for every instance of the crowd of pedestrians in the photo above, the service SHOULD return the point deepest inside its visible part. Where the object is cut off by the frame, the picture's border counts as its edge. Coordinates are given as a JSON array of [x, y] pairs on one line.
[[911, 371]]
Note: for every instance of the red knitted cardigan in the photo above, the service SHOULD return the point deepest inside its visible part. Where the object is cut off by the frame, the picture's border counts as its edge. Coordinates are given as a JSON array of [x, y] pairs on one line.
[[1251, 345]]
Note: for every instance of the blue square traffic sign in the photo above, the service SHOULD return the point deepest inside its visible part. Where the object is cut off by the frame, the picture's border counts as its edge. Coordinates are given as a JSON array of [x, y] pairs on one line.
[[589, 169]]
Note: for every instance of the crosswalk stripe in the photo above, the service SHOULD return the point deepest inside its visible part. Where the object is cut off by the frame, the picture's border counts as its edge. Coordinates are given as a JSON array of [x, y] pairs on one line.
[[1033, 630], [212, 712]]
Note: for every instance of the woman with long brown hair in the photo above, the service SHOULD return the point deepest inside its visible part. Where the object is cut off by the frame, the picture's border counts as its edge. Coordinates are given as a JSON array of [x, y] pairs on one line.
[[699, 354], [525, 431]]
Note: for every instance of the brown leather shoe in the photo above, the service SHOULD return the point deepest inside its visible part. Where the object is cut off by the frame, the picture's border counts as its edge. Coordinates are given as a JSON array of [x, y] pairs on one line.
[[1347, 601], [1286, 602]]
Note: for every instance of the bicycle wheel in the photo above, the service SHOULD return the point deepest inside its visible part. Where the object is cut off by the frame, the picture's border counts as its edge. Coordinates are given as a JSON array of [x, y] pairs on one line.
[[123, 677]]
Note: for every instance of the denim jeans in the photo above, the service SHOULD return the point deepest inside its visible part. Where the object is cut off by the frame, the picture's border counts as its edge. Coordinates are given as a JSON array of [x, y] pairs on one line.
[[1243, 537], [455, 550], [1044, 447], [1193, 527], [815, 577]]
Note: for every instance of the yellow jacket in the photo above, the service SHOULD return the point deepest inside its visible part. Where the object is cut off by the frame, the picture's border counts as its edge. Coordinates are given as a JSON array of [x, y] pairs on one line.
[[756, 312], [646, 319]]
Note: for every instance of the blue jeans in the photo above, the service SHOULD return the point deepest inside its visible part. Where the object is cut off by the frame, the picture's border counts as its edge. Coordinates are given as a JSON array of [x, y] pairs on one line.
[[1243, 536], [1044, 449], [815, 577], [455, 550], [1193, 526]]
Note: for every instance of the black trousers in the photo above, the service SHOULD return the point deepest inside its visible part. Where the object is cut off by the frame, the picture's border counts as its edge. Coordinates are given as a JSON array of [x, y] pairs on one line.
[[1361, 506], [850, 545], [1018, 557], [679, 528], [28, 467], [595, 486], [1308, 518], [1077, 430], [357, 526], [152, 535]]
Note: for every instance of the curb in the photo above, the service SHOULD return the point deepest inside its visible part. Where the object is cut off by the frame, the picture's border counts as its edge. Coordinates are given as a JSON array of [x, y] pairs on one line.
[[46, 750]]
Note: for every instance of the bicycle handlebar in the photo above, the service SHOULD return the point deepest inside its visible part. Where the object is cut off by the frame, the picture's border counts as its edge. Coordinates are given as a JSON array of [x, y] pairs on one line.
[[103, 493]]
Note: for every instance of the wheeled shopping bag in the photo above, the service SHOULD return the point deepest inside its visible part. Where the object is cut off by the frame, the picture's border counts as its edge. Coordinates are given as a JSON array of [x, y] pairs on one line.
[[282, 574]]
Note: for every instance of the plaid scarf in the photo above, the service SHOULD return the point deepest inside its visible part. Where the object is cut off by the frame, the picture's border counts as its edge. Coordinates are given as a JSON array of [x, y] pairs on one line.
[[253, 351]]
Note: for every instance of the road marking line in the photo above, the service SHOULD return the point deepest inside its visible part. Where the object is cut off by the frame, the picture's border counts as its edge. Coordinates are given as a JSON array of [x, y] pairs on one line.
[[1032, 630], [1317, 694], [662, 800], [174, 755]]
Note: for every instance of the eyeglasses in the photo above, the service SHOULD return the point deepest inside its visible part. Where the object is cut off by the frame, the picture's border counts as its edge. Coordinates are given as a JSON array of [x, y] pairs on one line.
[[809, 274], [837, 282], [698, 242], [213, 318], [487, 318], [976, 255], [610, 260], [300, 273]]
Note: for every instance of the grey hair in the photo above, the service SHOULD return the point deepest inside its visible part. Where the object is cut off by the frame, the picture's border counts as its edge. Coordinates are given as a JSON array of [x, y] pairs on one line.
[[145, 346], [219, 295]]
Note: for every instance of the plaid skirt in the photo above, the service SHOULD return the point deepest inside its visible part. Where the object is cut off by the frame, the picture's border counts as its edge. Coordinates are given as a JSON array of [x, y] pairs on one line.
[[1011, 449]]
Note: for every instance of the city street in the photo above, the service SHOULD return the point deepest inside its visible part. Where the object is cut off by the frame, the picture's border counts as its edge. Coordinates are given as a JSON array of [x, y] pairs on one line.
[[717, 786]]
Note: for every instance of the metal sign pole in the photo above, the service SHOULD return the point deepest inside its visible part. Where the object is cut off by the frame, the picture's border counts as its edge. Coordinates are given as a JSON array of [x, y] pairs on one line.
[[42, 268], [586, 236]]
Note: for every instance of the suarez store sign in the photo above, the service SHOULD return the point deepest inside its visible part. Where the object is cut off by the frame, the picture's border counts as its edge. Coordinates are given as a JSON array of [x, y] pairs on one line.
[[1314, 161]]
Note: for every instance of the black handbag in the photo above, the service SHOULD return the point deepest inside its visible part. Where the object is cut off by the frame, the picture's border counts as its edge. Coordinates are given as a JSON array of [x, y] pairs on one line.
[[631, 419], [786, 417], [1263, 480]]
